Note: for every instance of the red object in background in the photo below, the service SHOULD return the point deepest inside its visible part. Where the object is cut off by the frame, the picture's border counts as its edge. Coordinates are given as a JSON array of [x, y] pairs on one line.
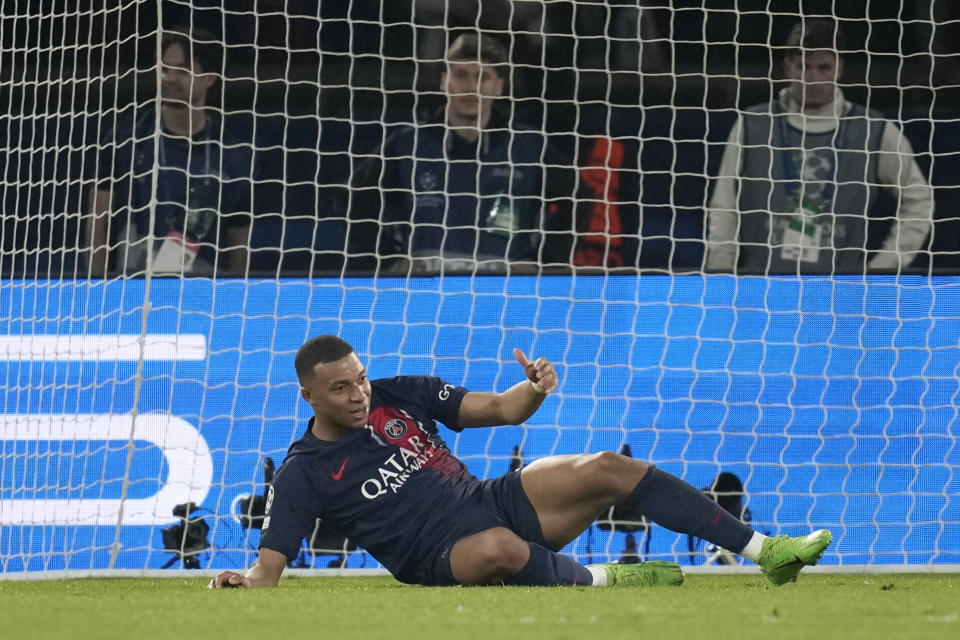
[[602, 236]]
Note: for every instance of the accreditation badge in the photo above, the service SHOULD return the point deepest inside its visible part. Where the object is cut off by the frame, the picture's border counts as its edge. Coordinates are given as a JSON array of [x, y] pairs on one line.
[[502, 217], [176, 254], [803, 237]]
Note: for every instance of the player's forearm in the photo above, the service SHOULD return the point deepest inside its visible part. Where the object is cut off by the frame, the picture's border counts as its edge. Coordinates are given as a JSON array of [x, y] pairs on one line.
[[267, 570], [519, 402], [258, 579], [513, 406], [260, 576], [265, 573]]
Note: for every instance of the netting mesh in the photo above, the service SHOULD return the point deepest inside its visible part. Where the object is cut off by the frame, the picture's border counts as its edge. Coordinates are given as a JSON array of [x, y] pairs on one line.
[[191, 190]]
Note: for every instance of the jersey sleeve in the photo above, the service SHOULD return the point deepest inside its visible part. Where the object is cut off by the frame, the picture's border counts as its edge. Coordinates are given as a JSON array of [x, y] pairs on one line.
[[290, 514], [442, 401]]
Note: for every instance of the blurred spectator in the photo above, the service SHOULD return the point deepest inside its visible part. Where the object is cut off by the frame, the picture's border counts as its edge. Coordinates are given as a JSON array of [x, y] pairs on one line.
[[466, 191], [799, 175], [200, 209], [519, 20]]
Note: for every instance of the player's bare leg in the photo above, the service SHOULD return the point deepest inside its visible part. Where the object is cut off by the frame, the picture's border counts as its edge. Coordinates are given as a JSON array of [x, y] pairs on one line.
[[488, 557], [568, 492], [498, 556]]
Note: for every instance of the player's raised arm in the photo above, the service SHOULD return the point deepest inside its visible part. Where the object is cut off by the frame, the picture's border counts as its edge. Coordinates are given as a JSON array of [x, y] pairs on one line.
[[265, 573], [517, 403]]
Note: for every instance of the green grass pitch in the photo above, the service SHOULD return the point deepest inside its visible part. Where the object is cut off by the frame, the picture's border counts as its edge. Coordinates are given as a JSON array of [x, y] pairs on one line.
[[819, 606]]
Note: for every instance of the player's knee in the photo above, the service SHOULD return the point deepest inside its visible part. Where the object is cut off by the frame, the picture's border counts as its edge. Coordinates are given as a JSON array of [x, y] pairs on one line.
[[612, 472], [502, 551]]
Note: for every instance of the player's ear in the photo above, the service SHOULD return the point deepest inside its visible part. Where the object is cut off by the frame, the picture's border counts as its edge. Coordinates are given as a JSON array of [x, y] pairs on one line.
[[498, 86], [305, 394], [207, 80]]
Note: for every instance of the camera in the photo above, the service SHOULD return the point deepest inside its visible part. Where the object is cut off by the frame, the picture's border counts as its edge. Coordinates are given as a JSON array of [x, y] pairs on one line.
[[254, 507], [188, 539]]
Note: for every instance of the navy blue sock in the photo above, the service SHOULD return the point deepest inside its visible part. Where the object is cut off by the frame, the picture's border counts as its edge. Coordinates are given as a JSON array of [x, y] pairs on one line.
[[548, 569], [681, 507]]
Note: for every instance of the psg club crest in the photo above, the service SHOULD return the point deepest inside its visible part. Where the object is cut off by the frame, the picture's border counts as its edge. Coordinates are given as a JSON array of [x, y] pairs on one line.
[[395, 428]]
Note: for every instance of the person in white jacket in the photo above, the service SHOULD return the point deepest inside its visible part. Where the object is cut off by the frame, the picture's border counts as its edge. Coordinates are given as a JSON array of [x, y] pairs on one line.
[[800, 174]]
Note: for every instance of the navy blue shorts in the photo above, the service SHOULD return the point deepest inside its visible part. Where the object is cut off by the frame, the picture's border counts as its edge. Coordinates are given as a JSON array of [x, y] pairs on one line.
[[501, 502]]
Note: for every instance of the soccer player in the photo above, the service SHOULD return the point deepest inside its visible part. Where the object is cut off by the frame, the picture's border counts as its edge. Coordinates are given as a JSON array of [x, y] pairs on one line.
[[372, 465]]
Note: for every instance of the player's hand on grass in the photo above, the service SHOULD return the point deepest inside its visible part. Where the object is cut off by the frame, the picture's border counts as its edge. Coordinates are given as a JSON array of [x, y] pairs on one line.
[[539, 372], [229, 580]]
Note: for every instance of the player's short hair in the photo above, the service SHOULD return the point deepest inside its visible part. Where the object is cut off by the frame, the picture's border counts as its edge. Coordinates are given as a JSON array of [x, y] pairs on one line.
[[319, 350], [815, 34], [200, 47], [474, 47]]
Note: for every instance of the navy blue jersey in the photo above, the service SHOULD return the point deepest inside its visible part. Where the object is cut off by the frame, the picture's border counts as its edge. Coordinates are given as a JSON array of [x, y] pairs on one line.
[[207, 176], [392, 487]]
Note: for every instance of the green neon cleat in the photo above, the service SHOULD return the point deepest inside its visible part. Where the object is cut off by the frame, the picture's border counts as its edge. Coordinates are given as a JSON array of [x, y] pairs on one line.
[[781, 558], [647, 574]]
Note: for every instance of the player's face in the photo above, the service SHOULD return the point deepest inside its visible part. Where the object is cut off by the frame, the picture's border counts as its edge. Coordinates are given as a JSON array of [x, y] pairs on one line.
[[180, 84], [471, 88], [814, 76], [339, 393]]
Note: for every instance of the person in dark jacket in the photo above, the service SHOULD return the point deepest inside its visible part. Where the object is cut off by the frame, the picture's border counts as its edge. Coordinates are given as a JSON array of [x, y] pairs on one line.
[[184, 207], [466, 191]]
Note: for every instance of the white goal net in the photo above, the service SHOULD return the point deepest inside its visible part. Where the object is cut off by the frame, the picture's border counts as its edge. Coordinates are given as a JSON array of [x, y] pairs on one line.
[[191, 190]]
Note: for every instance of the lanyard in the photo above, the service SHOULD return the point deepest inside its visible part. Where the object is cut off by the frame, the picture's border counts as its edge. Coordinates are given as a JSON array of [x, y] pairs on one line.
[[792, 169], [207, 161]]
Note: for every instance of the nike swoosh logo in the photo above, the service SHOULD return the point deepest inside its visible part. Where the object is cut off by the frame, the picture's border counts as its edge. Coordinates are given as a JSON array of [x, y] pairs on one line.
[[336, 476]]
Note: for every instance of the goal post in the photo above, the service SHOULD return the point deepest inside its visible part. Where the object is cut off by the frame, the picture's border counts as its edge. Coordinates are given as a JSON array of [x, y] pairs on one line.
[[145, 408]]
